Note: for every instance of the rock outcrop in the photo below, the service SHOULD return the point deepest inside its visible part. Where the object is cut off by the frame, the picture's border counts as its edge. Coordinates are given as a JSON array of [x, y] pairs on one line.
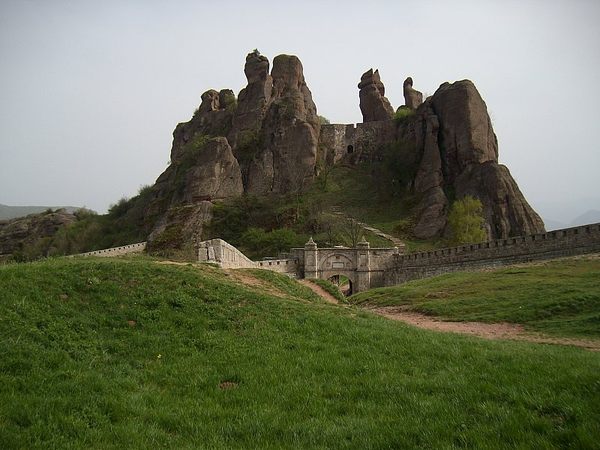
[[506, 211], [213, 117], [429, 180], [460, 156], [412, 97], [373, 103], [204, 171], [252, 100], [23, 234], [265, 142], [466, 133], [289, 134]]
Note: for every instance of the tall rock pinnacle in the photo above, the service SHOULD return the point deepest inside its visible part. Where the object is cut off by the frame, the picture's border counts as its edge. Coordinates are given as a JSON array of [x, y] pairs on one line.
[[373, 103]]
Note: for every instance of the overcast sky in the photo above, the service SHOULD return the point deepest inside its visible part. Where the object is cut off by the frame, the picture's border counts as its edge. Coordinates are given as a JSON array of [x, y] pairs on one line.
[[90, 91]]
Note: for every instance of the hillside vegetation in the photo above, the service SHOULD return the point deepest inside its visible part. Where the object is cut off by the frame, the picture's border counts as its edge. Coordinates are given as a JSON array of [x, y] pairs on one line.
[[560, 297], [264, 226], [131, 353]]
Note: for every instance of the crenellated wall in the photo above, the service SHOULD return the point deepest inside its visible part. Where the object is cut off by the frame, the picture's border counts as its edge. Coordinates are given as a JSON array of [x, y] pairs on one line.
[[500, 252], [117, 251], [288, 266]]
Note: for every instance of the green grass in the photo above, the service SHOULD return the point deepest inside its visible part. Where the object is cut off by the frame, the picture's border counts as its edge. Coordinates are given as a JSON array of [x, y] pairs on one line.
[[284, 283], [330, 288], [304, 374], [556, 297]]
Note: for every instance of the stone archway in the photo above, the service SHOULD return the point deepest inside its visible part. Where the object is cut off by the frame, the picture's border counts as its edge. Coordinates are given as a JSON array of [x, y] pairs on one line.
[[344, 283]]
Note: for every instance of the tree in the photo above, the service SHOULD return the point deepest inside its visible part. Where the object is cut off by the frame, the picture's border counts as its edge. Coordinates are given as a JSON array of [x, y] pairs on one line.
[[352, 232], [466, 221]]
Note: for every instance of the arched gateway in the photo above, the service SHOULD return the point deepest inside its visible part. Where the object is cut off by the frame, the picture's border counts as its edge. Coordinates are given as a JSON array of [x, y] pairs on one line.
[[363, 266]]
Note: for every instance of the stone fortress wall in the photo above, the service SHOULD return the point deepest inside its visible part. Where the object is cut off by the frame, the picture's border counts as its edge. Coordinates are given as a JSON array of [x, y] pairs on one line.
[[359, 140], [501, 252], [117, 251], [223, 254], [374, 267], [226, 256]]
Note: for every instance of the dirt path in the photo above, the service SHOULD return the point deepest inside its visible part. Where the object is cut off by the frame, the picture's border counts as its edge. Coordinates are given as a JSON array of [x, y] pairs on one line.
[[319, 291], [503, 330], [508, 331]]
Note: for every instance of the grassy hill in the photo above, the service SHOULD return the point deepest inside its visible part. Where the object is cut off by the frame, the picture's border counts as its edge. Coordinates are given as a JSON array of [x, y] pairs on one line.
[[131, 353], [560, 297]]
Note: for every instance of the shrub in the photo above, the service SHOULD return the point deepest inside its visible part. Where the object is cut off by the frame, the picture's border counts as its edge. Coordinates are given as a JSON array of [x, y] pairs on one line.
[[466, 221], [403, 114]]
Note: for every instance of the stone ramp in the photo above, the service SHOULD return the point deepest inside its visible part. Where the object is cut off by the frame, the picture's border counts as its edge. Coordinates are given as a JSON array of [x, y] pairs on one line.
[[225, 255], [217, 251]]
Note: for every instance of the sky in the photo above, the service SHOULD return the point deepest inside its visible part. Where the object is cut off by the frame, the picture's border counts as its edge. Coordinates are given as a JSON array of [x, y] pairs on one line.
[[90, 91]]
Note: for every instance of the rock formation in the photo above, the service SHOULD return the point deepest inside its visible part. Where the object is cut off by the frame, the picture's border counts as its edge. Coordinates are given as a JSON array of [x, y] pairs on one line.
[[253, 99], [373, 103], [429, 180], [289, 134], [460, 155], [269, 141], [16, 235], [412, 97], [213, 117], [265, 142]]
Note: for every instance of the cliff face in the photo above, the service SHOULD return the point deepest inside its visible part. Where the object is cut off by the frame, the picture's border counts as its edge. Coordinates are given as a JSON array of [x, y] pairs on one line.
[[265, 142], [269, 141], [460, 156]]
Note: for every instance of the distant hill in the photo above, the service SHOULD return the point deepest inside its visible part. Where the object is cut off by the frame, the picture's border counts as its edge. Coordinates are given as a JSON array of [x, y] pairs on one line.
[[12, 212], [554, 224], [591, 216]]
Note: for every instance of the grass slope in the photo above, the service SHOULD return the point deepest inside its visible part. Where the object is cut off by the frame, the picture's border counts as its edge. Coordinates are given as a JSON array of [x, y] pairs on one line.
[[556, 297], [135, 354]]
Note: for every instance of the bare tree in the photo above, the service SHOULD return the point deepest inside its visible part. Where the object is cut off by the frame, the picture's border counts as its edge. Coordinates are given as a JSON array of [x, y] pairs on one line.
[[352, 232]]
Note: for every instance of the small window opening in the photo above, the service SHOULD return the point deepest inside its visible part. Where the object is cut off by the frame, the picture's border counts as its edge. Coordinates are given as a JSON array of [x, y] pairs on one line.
[[350, 149]]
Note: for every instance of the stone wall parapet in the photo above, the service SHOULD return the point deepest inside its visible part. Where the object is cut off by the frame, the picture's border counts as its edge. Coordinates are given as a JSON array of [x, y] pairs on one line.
[[117, 251]]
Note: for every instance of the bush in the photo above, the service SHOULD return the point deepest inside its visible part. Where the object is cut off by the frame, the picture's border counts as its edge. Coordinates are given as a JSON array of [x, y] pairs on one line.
[[403, 114], [466, 221]]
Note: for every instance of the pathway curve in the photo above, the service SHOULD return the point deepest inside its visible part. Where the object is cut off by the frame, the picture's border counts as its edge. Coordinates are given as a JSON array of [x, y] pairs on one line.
[[319, 291], [503, 330]]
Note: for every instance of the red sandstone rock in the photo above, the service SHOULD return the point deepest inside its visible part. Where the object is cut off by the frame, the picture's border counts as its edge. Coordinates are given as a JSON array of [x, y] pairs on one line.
[[373, 103], [286, 157]]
